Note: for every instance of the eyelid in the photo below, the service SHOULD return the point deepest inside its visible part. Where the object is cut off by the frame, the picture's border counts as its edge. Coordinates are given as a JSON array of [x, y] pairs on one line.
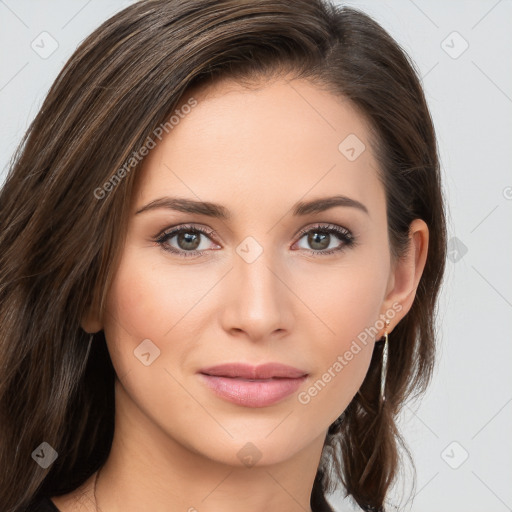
[[326, 226], [179, 227], [172, 231]]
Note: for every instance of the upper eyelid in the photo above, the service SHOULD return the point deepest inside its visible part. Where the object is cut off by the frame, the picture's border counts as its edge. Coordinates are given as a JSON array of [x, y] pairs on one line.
[[328, 226], [184, 227]]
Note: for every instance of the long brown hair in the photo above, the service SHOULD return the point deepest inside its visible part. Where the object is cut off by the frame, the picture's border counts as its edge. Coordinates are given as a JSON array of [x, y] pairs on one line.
[[60, 238]]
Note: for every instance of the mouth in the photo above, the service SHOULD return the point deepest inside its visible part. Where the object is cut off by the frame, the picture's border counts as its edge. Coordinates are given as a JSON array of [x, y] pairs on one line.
[[253, 386]]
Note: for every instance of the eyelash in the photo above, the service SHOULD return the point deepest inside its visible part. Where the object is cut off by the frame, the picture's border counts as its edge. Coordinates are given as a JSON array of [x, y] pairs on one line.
[[343, 234]]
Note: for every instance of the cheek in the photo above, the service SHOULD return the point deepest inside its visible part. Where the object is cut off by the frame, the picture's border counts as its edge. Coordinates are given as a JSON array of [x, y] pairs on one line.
[[153, 299], [347, 300], [149, 296], [144, 302]]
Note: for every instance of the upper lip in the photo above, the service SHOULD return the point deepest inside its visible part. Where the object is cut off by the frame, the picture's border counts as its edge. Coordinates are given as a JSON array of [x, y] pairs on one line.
[[248, 371]]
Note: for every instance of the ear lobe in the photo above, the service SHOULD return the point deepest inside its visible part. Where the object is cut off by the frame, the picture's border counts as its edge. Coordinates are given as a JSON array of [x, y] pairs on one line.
[[408, 269], [91, 322]]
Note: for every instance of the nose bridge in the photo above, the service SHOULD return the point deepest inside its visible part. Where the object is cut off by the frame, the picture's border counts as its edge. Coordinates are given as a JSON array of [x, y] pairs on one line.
[[258, 303]]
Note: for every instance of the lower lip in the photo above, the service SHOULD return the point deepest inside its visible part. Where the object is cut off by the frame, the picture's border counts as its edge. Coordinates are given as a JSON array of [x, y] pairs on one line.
[[252, 393]]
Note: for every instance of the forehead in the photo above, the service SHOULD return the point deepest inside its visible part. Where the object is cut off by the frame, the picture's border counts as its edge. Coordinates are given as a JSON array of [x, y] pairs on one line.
[[260, 142]]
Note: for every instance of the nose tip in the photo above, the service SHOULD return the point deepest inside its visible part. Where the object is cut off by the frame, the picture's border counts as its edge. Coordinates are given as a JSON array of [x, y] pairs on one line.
[[258, 302]]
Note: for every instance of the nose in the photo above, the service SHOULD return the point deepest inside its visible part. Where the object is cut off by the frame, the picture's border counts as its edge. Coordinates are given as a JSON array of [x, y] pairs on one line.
[[258, 303]]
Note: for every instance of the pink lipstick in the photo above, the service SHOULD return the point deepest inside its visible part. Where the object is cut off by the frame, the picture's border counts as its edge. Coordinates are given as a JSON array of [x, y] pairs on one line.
[[253, 386]]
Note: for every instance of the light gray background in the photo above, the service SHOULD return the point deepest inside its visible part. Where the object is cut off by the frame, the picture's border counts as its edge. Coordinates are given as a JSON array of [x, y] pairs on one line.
[[470, 97]]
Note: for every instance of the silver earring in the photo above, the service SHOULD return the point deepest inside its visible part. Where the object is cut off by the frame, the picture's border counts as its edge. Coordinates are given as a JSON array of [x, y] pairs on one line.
[[91, 338], [384, 369]]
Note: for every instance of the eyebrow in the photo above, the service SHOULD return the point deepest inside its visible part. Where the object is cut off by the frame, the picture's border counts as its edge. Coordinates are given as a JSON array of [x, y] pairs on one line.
[[220, 212]]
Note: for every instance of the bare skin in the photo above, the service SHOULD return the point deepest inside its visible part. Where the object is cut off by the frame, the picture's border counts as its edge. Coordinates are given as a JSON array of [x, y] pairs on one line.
[[256, 152]]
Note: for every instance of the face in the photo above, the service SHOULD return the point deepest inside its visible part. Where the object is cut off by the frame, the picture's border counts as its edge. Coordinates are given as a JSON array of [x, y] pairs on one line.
[[260, 278]]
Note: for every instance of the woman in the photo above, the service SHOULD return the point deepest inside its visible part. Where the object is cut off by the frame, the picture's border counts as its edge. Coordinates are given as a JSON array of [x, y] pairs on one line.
[[223, 239]]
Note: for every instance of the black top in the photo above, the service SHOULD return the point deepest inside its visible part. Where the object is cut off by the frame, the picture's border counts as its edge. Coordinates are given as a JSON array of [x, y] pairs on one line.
[[319, 504]]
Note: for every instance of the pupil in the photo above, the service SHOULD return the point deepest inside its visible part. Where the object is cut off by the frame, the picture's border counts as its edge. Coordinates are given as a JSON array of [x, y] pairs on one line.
[[316, 237], [188, 240]]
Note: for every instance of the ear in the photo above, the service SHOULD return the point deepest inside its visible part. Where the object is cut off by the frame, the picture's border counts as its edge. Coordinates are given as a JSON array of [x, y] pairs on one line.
[[91, 321], [406, 273]]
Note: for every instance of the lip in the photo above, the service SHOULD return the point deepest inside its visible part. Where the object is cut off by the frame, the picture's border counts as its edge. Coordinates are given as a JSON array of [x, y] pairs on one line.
[[248, 371], [253, 386]]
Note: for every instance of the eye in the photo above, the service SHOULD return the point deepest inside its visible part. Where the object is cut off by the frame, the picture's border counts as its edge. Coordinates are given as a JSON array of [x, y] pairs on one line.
[[324, 239], [185, 241]]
